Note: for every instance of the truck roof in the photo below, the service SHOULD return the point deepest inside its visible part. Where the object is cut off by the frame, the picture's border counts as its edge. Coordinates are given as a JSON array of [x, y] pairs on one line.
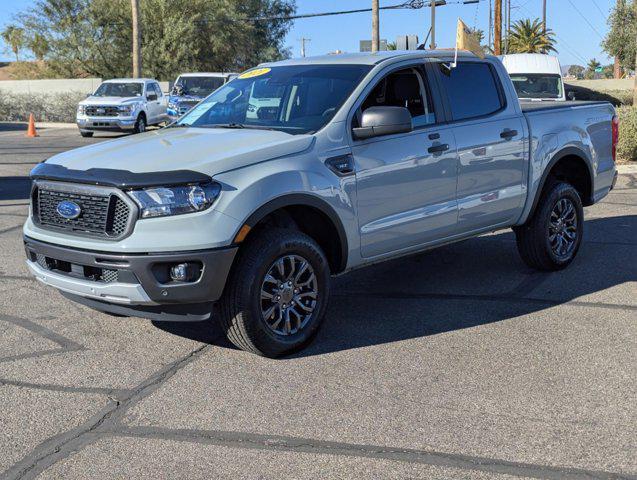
[[368, 58], [130, 80], [206, 74], [531, 63]]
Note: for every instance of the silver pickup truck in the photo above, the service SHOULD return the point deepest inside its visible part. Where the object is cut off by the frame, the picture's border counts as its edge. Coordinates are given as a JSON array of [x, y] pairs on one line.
[[242, 210]]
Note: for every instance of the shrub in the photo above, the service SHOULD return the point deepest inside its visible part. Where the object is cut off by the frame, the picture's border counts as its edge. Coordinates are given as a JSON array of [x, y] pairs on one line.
[[627, 146], [53, 107]]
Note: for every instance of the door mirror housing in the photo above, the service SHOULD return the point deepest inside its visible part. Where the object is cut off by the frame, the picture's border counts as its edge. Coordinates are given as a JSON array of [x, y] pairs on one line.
[[571, 95], [151, 97], [378, 121]]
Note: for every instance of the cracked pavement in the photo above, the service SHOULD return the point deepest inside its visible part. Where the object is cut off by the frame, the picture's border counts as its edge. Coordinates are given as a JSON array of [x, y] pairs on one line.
[[456, 363]]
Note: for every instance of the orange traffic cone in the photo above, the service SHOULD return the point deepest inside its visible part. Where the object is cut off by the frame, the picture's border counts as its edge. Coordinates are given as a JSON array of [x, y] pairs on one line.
[[31, 130]]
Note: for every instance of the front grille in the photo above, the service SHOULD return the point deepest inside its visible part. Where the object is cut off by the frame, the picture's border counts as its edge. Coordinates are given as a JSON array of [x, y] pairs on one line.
[[185, 106], [102, 215], [101, 111]]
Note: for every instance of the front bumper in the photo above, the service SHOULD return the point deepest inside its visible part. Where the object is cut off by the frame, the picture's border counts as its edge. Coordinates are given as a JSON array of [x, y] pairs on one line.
[[129, 279], [109, 124]]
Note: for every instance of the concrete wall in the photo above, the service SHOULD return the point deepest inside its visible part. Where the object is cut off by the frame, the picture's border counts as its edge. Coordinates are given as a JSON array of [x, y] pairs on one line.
[[83, 85]]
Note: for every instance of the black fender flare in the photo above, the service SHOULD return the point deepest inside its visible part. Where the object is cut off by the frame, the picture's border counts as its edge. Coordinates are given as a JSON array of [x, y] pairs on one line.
[[565, 152], [300, 199]]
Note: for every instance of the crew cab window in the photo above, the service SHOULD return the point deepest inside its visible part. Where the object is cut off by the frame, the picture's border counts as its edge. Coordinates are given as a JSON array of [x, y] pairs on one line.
[[472, 89], [404, 88]]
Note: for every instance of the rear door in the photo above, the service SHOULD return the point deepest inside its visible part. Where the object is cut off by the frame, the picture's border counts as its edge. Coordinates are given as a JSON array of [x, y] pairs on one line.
[[491, 141], [406, 183]]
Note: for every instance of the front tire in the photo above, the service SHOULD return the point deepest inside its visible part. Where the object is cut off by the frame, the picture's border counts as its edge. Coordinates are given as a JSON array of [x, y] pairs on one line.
[[140, 124], [277, 293], [551, 238]]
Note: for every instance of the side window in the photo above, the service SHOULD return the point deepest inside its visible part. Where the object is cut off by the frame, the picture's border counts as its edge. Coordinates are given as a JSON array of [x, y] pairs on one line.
[[404, 88], [157, 90], [472, 90]]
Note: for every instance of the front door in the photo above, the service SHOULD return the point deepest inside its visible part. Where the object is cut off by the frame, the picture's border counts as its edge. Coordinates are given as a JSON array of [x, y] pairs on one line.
[[406, 183]]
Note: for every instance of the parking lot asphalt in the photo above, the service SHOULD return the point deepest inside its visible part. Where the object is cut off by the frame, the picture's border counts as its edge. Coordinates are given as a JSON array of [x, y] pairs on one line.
[[458, 363]]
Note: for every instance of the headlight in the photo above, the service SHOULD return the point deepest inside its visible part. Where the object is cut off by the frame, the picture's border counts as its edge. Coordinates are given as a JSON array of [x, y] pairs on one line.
[[163, 201], [81, 109], [126, 109]]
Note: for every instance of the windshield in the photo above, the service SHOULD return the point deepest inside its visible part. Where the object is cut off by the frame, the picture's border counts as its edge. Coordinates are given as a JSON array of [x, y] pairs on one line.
[[537, 85], [117, 89], [294, 99], [197, 86]]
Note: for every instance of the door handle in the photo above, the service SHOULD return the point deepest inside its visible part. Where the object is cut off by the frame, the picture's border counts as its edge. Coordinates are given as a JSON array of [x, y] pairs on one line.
[[508, 134], [443, 147]]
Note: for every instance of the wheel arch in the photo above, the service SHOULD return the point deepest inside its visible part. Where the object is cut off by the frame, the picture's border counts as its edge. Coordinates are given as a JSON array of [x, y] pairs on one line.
[[304, 211], [569, 164]]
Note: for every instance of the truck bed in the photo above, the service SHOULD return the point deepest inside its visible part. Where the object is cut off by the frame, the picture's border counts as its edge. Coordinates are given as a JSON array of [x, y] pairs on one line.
[[532, 107]]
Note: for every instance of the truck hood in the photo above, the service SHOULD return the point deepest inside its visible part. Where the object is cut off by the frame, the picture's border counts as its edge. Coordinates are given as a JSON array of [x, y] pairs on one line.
[[110, 100], [205, 150]]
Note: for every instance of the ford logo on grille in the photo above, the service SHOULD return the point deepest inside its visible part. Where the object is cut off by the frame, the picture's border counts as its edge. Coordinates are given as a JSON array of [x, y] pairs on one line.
[[68, 210]]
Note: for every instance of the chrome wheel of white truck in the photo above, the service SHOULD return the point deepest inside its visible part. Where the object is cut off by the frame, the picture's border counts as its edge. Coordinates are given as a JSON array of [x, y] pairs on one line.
[[276, 297]]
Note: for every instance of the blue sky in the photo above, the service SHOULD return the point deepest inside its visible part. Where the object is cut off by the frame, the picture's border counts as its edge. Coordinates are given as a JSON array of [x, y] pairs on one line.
[[578, 41]]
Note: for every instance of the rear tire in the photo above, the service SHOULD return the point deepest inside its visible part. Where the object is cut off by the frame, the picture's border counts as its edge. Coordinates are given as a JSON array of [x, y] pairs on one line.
[[277, 293], [86, 134], [551, 238]]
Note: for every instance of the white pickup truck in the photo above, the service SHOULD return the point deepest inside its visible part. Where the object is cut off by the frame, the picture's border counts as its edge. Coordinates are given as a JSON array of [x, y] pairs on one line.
[[122, 105]]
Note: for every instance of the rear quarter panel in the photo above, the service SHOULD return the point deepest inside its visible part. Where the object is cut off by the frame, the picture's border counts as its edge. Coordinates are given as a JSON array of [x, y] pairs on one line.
[[582, 127]]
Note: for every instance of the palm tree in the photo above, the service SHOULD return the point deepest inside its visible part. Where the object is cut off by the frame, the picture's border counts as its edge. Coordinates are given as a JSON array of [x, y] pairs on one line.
[[530, 37]]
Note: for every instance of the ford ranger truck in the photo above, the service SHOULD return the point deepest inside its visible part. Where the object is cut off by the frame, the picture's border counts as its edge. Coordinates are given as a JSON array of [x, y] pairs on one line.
[[355, 159], [122, 105], [192, 88]]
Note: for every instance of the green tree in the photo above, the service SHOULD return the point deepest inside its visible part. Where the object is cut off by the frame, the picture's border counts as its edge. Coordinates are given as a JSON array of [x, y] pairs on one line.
[[94, 37], [530, 37], [576, 70], [39, 45], [593, 65], [14, 37], [620, 39]]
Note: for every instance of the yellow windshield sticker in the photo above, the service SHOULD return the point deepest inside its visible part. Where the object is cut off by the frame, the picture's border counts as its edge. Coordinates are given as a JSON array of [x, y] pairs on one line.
[[254, 73]]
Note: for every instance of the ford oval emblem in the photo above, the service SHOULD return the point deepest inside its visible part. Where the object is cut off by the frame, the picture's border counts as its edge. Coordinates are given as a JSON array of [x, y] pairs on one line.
[[68, 210]]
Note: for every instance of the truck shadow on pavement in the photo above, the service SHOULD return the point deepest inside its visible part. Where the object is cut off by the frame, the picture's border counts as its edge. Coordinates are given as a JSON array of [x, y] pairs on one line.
[[464, 285], [15, 188], [13, 126]]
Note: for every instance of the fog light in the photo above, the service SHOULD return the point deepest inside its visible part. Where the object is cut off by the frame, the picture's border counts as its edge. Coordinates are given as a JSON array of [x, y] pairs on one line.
[[184, 272]]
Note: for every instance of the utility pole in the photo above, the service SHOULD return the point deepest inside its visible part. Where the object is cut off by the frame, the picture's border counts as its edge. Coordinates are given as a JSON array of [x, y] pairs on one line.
[[375, 27], [508, 25], [497, 40], [490, 21], [432, 45], [303, 40], [635, 82], [137, 40], [544, 15]]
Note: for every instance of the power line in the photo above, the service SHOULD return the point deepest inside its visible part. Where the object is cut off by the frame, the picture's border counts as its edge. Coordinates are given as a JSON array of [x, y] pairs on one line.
[[586, 20], [563, 43], [605, 15]]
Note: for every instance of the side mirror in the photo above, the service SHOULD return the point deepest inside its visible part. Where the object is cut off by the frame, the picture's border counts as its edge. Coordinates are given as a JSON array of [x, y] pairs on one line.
[[571, 95], [377, 121], [89, 95], [151, 97]]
